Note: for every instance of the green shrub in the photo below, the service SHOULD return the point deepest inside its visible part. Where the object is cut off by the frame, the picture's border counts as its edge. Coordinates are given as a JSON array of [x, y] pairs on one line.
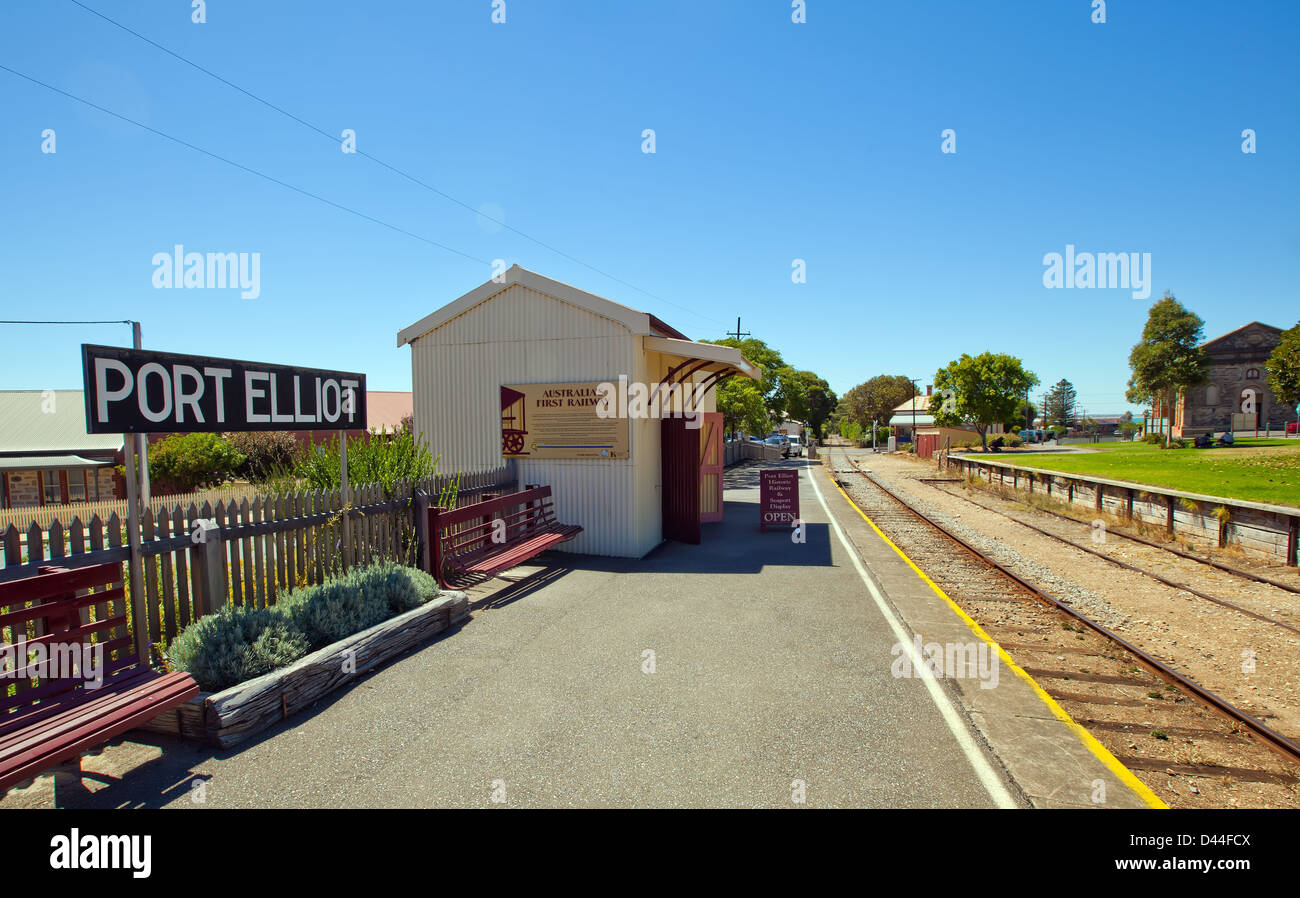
[[376, 457], [236, 644], [184, 462], [1014, 441], [358, 599], [266, 452]]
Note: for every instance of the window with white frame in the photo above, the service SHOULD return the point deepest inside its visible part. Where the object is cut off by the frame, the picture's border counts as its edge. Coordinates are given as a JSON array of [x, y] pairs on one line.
[[53, 492]]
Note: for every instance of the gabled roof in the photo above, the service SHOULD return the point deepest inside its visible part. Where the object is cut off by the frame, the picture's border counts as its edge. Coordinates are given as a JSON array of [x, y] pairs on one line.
[[1277, 331], [34, 422], [922, 404], [636, 322]]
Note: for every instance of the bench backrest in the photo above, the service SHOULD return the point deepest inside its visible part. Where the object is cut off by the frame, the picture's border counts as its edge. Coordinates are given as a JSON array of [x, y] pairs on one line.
[[43, 621], [469, 529], [498, 505]]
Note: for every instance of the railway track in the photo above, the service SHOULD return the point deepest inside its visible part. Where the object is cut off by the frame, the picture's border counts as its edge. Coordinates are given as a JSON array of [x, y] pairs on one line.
[[1172, 550], [1151, 717], [1183, 587]]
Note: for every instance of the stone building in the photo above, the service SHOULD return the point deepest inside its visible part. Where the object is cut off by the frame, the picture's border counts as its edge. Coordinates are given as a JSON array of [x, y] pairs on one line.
[[46, 456], [1237, 385]]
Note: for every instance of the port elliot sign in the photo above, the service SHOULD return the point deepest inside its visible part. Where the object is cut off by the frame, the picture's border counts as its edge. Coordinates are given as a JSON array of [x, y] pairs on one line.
[[141, 391]]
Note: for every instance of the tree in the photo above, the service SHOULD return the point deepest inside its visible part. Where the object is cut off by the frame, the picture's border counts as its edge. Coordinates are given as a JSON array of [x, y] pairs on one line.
[[1169, 359], [1022, 417], [184, 462], [876, 399], [816, 400], [1059, 406], [1284, 368], [979, 391], [742, 406], [772, 387], [784, 392]]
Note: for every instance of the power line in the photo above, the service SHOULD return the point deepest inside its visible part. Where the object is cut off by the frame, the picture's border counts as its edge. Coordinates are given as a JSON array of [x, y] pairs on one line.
[[242, 167], [375, 159], [127, 321]]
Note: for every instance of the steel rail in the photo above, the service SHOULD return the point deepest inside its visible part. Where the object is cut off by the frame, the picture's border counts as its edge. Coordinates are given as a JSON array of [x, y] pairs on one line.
[[1273, 739], [1227, 568], [1130, 567]]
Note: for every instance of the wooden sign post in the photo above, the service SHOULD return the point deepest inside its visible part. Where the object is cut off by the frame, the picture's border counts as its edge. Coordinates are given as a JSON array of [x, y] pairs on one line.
[[778, 497]]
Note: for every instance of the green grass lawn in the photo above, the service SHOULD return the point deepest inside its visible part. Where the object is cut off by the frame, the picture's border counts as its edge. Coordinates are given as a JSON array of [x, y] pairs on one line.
[[1255, 470]]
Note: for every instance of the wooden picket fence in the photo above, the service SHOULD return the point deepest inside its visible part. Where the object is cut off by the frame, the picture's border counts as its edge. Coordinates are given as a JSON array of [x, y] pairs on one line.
[[45, 515], [262, 548]]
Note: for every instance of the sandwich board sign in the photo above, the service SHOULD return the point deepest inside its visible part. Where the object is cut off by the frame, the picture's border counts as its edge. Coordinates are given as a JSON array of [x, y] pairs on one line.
[[778, 497], [142, 391]]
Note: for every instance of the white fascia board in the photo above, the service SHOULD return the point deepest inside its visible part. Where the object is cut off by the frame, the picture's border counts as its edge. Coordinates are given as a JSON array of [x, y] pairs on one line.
[[636, 322], [704, 352]]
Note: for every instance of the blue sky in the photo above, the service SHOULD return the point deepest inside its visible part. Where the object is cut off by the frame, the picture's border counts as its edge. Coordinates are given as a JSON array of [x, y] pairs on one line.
[[775, 141]]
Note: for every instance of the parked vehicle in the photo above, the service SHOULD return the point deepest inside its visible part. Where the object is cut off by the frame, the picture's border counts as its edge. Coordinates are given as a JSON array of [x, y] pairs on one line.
[[1293, 428], [780, 442], [794, 447]]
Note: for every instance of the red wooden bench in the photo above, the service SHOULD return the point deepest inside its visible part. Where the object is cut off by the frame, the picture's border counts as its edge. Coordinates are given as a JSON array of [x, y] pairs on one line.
[[47, 719], [468, 542]]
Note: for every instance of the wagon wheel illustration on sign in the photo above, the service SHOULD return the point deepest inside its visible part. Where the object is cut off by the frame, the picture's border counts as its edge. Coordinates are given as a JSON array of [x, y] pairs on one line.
[[512, 411]]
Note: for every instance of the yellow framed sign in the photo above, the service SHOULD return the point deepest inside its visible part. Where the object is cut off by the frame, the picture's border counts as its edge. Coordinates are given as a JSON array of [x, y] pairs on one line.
[[561, 421]]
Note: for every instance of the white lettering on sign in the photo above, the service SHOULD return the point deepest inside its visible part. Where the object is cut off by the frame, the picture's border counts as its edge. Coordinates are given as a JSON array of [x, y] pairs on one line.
[[250, 393], [102, 366], [350, 405], [276, 417], [143, 392], [219, 375], [190, 393], [331, 416], [297, 405], [180, 372]]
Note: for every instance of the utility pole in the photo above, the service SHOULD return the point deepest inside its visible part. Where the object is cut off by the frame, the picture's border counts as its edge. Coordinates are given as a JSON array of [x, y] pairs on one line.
[[916, 392], [738, 334], [141, 439]]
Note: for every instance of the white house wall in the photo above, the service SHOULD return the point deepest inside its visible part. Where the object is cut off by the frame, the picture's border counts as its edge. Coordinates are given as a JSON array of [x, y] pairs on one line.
[[522, 336]]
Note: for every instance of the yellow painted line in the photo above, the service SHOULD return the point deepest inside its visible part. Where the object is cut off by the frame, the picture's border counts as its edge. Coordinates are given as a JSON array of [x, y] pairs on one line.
[[1122, 773]]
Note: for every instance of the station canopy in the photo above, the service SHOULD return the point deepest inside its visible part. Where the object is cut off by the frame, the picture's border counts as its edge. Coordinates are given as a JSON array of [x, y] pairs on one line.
[[687, 358]]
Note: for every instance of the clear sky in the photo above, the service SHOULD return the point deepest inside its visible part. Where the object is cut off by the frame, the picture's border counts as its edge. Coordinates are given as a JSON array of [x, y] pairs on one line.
[[775, 141]]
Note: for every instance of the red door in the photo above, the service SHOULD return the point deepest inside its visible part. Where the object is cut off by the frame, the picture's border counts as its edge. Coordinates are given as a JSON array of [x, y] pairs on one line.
[[680, 479], [712, 462]]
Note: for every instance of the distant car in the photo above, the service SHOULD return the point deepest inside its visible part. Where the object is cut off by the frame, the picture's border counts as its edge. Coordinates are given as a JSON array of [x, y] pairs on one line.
[[795, 447], [1293, 428]]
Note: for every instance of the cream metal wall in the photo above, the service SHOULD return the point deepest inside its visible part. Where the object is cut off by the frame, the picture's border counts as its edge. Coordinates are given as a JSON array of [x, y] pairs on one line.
[[523, 336]]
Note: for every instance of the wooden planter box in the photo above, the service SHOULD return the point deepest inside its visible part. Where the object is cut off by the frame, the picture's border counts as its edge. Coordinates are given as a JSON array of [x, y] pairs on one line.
[[233, 715]]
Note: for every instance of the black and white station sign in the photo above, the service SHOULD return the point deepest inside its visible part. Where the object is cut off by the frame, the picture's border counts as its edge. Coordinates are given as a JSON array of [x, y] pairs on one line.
[[142, 391]]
